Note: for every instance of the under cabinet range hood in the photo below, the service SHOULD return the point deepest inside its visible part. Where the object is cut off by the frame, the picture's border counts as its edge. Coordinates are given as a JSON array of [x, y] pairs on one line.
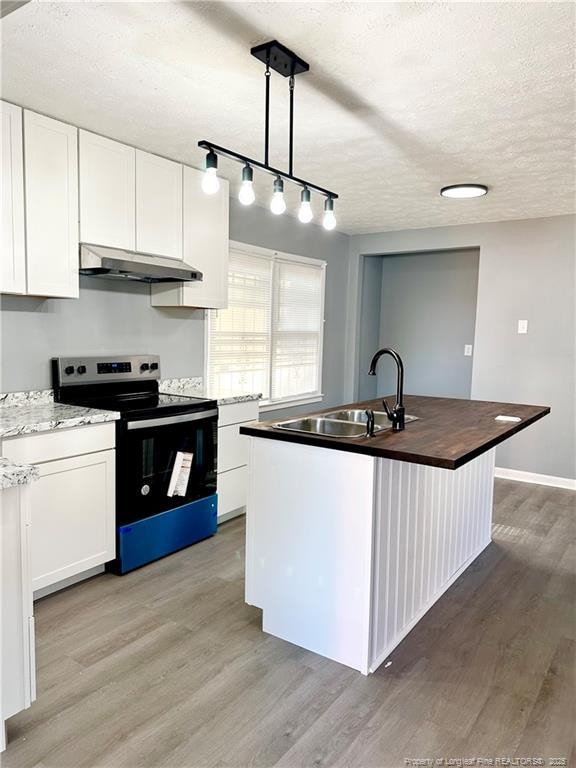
[[101, 261]]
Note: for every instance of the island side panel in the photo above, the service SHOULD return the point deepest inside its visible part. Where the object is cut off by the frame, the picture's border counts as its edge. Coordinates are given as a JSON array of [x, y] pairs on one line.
[[430, 524], [309, 547]]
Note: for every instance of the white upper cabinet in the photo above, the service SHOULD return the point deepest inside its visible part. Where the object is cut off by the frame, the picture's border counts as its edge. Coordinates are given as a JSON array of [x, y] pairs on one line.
[[51, 183], [107, 192], [206, 234], [13, 255], [158, 206]]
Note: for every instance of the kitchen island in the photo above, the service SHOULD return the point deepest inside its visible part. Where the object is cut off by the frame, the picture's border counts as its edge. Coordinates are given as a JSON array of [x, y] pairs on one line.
[[350, 540]]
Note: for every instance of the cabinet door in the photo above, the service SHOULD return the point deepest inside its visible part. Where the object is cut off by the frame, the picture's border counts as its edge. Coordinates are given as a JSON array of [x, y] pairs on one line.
[[107, 192], [13, 255], [72, 508], [51, 178], [206, 233], [232, 448], [232, 491], [17, 669], [158, 206]]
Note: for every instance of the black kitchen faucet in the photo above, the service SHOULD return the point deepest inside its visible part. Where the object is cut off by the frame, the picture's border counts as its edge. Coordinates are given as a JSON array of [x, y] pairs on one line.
[[396, 415]]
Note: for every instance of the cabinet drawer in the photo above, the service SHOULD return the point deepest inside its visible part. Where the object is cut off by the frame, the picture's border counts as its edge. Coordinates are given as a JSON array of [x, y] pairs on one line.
[[47, 446], [232, 448], [236, 413], [232, 490]]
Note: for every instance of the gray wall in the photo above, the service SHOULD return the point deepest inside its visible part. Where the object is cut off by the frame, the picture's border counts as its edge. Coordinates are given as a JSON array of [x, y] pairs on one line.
[[118, 318], [526, 271], [106, 319], [428, 313], [369, 335]]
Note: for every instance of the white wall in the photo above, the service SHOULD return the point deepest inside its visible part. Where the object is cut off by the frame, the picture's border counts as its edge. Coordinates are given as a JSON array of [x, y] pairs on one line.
[[526, 271]]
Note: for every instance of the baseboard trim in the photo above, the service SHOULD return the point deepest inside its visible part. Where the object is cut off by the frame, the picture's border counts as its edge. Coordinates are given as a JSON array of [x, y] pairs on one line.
[[68, 582], [223, 518], [531, 477]]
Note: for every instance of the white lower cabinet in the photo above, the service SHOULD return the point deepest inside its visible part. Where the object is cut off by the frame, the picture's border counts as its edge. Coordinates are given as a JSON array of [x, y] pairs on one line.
[[233, 457], [17, 657], [72, 530], [73, 501]]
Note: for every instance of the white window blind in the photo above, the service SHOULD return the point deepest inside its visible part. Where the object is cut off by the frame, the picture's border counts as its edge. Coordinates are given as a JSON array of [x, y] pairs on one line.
[[269, 339]]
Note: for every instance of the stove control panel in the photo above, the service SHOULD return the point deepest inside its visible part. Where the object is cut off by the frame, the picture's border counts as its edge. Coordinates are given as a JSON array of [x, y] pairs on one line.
[[89, 370], [114, 367]]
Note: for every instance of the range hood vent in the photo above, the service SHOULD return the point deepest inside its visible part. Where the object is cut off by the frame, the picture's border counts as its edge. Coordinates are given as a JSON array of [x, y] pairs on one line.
[[119, 264]]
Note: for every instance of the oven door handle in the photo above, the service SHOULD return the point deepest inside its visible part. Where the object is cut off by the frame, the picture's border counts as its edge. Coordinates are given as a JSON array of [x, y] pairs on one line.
[[164, 421]]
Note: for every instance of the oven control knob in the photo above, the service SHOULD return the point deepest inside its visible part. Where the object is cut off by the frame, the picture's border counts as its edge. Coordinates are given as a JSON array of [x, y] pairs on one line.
[[153, 366], [69, 370], [144, 366], [81, 369]]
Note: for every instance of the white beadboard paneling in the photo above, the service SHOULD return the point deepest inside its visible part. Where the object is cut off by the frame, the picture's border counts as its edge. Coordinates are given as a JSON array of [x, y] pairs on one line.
[[430, 523]]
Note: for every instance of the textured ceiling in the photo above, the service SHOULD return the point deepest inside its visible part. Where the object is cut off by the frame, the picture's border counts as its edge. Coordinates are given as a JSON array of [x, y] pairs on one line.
[[401, 99]]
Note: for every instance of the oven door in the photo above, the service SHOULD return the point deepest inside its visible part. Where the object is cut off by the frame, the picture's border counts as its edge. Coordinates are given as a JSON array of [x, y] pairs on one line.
[[164, 462]]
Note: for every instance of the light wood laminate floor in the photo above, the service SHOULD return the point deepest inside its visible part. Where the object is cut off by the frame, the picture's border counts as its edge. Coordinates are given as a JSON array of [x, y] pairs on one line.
[[168, 667]]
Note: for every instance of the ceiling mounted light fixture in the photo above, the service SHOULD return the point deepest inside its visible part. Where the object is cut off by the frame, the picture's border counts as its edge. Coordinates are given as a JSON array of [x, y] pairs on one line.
[[246, 194], [210, 182], [329, 220], [464, 191], [284, 61], [278, 204], [305, 213]]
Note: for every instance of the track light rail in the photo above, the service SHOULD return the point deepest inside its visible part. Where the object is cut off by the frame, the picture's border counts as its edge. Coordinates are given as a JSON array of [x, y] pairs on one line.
[[231, 155]]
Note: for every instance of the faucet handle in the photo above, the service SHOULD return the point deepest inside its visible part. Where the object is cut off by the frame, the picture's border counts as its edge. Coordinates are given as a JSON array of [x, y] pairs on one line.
[[370, 423], [387, 409]]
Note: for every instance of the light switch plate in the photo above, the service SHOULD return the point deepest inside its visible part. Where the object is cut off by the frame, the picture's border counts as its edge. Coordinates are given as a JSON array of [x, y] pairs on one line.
[[468, 350], [522, 326]]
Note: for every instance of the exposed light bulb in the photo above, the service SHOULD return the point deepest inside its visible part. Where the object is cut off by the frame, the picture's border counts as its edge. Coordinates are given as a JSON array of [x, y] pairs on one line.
[[246, 195], [329, 220], [305, 213], [278, 204], [210, 180]]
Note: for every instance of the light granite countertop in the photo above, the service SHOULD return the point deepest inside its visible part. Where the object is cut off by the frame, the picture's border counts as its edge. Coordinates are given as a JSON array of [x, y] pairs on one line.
[[12, 474], [41, 416], [192, 387]]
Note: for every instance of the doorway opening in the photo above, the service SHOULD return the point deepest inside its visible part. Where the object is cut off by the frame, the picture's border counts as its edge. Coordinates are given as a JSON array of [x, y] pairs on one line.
[[423, 304]]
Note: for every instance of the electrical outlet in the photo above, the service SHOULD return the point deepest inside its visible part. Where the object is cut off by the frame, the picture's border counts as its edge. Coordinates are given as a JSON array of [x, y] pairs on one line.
[[522, 326], [468, 350]]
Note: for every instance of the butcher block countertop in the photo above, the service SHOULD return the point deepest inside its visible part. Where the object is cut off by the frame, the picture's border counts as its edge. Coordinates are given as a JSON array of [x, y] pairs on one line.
[[449, 432]]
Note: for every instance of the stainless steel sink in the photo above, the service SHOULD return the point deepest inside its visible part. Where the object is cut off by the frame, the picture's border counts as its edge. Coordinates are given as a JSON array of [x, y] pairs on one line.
[[322, 426], [350, 423], [359, 416]]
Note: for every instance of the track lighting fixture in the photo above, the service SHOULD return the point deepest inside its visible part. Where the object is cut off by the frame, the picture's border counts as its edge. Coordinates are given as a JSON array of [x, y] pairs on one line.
[[246, 194], [285, 62], [210, 181], [305, 213], [329, 220], [278, 204]]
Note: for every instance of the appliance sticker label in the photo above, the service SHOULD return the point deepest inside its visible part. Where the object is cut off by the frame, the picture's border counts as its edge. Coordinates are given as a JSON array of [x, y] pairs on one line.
[[180, 474]]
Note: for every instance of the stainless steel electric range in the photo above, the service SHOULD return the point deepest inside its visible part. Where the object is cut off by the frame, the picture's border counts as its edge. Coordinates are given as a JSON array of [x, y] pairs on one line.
[[165, 453]]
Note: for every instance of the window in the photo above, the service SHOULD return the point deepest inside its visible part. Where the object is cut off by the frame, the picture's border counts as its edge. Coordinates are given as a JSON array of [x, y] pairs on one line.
[[269, 339]]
